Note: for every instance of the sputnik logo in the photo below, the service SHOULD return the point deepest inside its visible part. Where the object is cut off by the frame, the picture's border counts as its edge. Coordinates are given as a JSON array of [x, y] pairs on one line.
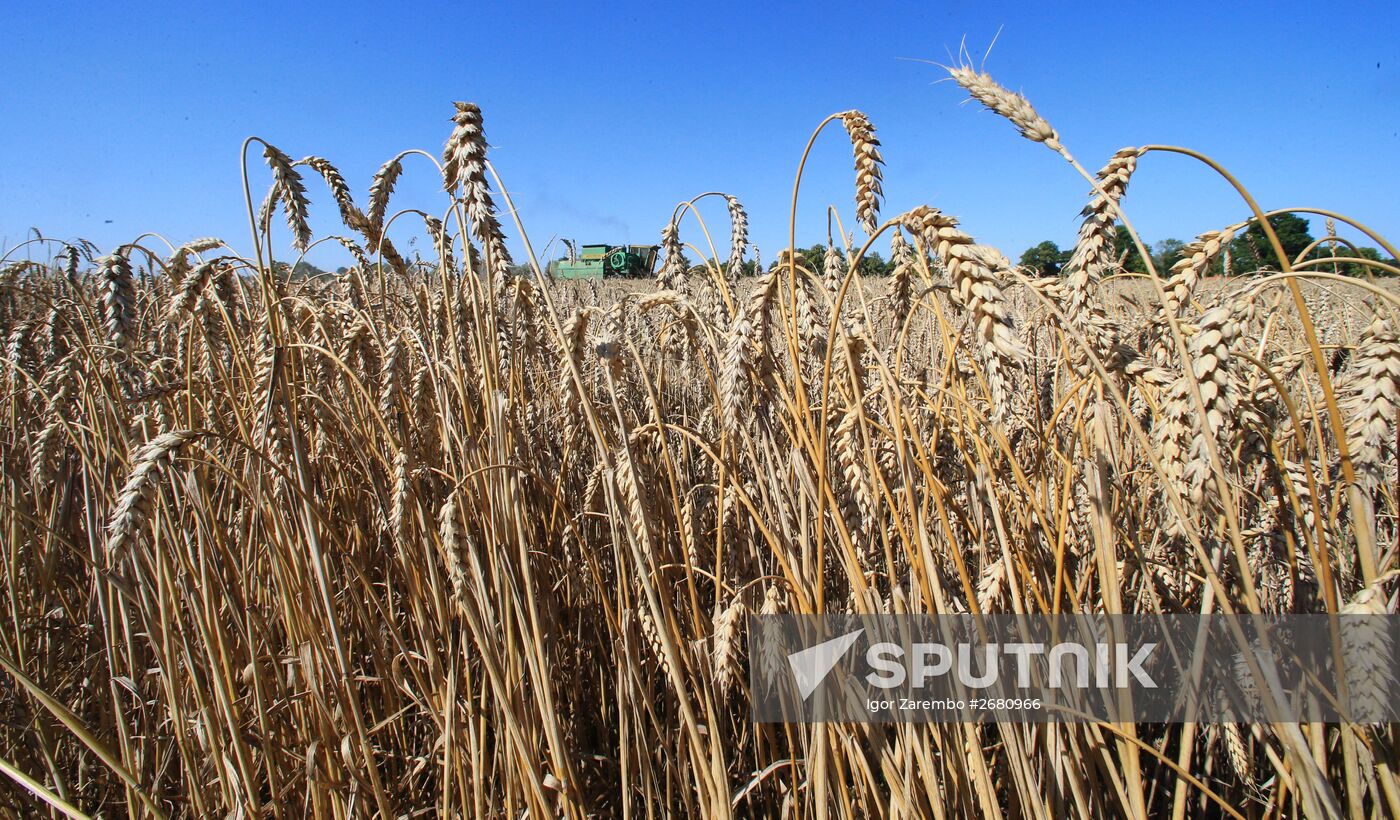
[[811, 666]]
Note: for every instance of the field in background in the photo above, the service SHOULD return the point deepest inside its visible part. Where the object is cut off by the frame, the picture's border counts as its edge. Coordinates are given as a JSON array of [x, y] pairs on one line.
[[438, 537]]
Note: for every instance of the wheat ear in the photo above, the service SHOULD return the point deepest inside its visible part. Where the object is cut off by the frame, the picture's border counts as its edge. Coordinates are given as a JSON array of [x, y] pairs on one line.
[[738, 236], [728, 649], [118, 299], [380, 189], [1373, 401], [288, 188], [866, 149], [672, 269], [134, 503], [1196, 259], [1008, 104], [339, 190], [1091, 251], [974, 271], [464, 164]]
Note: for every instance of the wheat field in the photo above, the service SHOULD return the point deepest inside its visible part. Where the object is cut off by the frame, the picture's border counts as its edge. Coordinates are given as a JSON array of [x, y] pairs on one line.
[[438, 538]]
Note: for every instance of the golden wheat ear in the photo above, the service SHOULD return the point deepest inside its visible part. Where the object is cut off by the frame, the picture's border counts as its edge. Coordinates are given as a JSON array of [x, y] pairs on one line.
[[288, 189], [1008, 104], [866, 149], [464, 167]]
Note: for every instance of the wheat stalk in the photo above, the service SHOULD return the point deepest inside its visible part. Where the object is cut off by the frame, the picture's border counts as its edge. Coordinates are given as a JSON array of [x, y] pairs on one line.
[[429, 558]]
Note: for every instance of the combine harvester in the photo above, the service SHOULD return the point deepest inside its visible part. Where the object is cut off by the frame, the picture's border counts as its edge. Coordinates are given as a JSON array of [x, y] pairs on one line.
[[599, 261]]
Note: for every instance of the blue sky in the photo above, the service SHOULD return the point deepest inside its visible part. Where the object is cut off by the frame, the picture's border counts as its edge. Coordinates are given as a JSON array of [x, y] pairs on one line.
[[123, 119]]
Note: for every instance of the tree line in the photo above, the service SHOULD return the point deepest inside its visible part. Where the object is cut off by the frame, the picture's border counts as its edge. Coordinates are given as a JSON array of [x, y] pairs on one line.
[[1249, 251]]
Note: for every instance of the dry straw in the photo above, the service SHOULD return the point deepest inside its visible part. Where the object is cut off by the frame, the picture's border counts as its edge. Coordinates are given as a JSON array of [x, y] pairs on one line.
[[474, 549]]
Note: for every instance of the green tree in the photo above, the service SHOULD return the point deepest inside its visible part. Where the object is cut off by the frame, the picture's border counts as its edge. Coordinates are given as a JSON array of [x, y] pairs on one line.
[[873, 264], [1123, 243], [1358, 269], [1251, 251], [1046, 258], [1167, 253], [1323, 251], [812, 257]]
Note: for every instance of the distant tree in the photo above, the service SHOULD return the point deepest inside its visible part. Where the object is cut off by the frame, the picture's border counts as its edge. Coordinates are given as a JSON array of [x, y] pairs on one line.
[[1167, 253], [1358, 269], [873, 264], [1251, 251], [812, 257], [1323, 251], [305, 270], [1123, 244], [1046, 258], [302, 270]]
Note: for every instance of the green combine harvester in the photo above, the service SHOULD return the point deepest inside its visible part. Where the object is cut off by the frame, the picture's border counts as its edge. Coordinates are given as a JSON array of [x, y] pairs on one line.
[[598, 261]]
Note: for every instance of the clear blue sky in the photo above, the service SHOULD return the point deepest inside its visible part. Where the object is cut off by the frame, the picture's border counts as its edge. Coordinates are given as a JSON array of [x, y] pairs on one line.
[[121, 119]]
